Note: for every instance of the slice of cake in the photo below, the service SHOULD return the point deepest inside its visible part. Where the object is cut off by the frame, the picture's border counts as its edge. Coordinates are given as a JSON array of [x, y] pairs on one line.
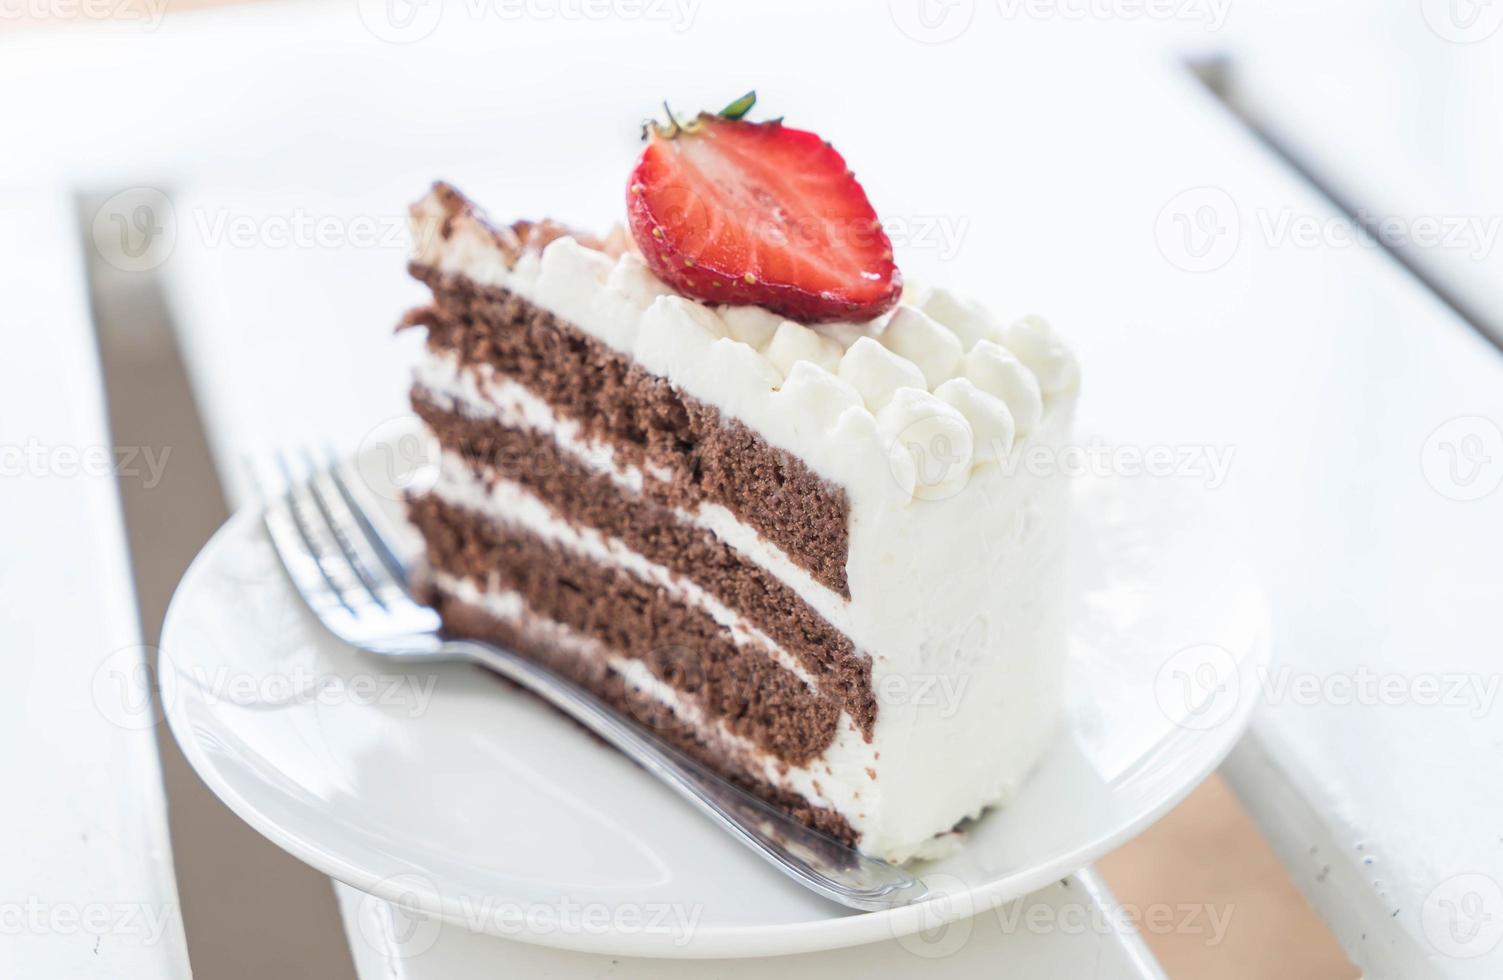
[[716, 472]]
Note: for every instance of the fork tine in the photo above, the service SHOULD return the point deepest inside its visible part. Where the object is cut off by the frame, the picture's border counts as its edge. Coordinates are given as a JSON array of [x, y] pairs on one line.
[[373, 536], [332, 553], [298, 556], [319, 543], [367, 550], [371, 575]]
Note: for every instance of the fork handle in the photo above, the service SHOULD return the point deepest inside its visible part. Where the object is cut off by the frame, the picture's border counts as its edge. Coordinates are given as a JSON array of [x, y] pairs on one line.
[[817, 861]]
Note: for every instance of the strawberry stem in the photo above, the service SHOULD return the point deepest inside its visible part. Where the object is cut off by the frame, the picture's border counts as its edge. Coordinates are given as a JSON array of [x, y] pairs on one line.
[[662, 131], [673, 128]]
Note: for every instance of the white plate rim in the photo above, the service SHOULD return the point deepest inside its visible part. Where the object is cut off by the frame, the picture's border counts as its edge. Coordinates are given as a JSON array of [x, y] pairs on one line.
[[837, 932]]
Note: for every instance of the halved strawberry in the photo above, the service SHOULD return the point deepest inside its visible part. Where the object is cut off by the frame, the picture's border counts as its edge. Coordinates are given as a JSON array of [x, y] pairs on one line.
[[757, 214]]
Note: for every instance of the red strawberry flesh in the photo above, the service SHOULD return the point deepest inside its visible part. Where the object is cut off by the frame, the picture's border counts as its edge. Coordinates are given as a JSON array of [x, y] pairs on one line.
[[728, 211]]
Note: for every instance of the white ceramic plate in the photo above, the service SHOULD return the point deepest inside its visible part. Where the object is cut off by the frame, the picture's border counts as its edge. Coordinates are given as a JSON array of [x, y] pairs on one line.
[[449, 792]]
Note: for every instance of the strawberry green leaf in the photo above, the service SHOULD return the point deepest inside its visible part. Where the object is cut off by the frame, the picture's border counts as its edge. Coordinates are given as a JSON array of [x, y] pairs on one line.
[[740, 107]]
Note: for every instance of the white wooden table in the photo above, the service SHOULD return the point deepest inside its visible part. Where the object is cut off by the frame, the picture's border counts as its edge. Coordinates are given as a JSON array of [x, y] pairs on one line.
[[1074, 169], [86, 881]]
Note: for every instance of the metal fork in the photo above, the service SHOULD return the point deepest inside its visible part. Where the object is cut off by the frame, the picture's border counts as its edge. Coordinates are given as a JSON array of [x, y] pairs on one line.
[[356, 585]]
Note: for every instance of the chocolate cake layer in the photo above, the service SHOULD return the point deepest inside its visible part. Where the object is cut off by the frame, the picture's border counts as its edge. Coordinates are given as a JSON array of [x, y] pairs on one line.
[[464, 619], [645, 419], [586, 498], [741, 685]]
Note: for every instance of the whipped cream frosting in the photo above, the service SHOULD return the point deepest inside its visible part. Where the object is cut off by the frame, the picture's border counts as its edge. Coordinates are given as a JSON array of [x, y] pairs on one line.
[[1017, 370]]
